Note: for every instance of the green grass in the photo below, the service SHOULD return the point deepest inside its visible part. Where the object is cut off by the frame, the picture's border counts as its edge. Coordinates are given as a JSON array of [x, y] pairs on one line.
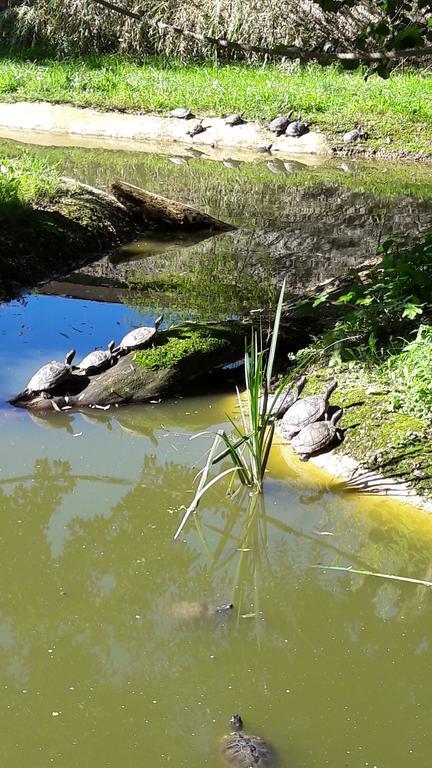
[[398, 110], [25, 180]]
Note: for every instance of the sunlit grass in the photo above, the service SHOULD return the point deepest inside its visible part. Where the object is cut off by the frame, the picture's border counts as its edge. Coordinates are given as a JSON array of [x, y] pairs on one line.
[[24, 180], [397, 110]]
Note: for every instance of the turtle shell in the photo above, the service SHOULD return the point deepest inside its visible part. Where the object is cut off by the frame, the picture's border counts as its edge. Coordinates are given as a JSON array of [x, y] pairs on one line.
[[234, 119], [351, 136], [196, 129], [95, 360], [245, 750], [48, 376], [297, 128], [279, 124], [139, 337], [182, 113], [305, 411], [314, 437]]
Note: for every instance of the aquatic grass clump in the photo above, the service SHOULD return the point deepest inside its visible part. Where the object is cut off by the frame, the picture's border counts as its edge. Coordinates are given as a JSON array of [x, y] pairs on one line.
[[248, 448]]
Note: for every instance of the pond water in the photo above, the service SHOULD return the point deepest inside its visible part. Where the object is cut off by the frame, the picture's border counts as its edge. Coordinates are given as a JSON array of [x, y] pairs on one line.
[[101, 667]]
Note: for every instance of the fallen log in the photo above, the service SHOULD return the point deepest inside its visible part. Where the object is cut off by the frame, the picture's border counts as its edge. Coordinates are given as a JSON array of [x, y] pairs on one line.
[[179, 356], [155, 209]]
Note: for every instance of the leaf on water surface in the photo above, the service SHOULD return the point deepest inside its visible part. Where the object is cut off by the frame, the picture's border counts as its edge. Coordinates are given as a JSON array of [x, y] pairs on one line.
[[247, 615], [324, 533]]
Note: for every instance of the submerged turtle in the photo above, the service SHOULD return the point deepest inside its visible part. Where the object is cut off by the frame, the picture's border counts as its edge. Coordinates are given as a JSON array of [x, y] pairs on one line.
[[51, 374], [235, 119], [297, 128], [280, 124], [306, 411], [354, 135], [195, 611], [316, 436], [97, 360], [139, 337], [286, 399], [196, 129], [182, 113], [245, 750]]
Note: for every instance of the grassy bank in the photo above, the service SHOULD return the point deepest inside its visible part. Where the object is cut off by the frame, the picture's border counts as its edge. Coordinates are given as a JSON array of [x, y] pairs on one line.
[[397, 113], [380, 351], [48, 227]]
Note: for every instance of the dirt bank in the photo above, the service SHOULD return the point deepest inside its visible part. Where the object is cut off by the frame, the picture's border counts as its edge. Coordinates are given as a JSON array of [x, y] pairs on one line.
[[58, 119]]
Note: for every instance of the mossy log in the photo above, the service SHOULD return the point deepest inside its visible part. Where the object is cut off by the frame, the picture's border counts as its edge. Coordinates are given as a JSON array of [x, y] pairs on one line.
[[179, 356], [155, 209]]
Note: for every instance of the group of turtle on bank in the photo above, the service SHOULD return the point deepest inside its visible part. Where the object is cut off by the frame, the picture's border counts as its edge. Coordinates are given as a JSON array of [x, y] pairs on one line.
[[280, 125], [305, 422], [50, 375]]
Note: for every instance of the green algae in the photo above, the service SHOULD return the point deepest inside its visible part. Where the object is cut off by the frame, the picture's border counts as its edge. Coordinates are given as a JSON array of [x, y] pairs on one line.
[[177, 346]]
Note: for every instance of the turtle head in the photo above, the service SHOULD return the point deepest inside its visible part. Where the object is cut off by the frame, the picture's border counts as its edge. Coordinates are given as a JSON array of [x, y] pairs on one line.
[[70, 356], [111, 345], [224, 607], [336, 416], [236, 723], [331, 388], [158, 321], [300, 384]]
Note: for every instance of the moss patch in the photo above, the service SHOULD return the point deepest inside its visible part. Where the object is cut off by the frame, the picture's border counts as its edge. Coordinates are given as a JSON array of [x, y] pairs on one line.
[[177, 346]]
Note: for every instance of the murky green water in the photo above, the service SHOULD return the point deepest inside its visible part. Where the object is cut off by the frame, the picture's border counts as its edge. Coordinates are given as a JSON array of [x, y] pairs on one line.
[[96, 666]]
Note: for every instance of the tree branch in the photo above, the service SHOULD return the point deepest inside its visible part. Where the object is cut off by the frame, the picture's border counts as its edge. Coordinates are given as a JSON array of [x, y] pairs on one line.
[[285, 51]]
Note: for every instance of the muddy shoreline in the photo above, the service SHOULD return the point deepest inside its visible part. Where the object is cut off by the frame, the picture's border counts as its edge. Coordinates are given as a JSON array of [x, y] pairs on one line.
[[149, 132]]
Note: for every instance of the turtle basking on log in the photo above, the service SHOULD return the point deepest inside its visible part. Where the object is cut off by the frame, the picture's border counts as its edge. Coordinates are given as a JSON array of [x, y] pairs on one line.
[[139, 337], [98, 360], [48, 377]]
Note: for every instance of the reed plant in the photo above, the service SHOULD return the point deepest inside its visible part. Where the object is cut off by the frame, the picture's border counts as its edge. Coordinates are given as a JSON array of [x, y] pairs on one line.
[[248, 447]]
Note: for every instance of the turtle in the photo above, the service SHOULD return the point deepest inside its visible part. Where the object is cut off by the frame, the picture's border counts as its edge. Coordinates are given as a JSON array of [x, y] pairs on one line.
[[316, 436], [297, 128], [196, 129], [280, 124], [244, 750], [139, 337], [354, 135], [235, 119], [182, 113], [51, 374], [263, 148], [306, 411], [195, 611], [286, 399], [98, 360]]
